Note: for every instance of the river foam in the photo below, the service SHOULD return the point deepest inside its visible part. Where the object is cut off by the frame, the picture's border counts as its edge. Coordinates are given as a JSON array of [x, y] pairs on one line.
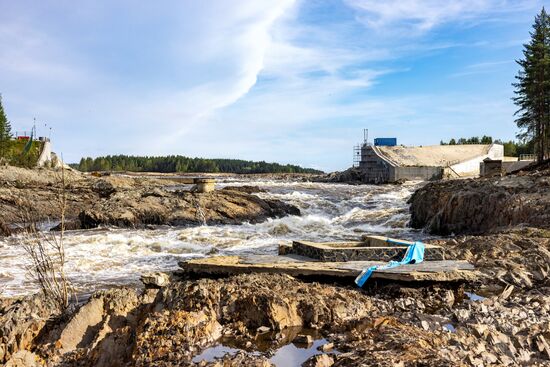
[[105, 257]]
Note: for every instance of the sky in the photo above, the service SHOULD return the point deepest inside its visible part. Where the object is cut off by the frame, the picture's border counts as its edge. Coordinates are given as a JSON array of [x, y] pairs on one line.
[[290, 81]]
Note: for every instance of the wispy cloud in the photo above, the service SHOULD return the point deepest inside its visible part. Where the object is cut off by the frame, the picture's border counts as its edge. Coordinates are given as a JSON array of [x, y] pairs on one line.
[[422, 15], [482, 68]]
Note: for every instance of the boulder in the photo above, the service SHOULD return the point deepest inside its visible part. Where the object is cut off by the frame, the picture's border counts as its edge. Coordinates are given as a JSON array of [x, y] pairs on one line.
[[103, 188], [155, 279]]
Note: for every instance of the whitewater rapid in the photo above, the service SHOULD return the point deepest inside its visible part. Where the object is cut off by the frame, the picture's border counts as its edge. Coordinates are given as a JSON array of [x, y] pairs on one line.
[[112, 257]]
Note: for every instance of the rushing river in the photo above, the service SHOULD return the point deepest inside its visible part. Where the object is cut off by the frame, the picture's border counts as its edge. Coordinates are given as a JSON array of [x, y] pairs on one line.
[[105, 257]]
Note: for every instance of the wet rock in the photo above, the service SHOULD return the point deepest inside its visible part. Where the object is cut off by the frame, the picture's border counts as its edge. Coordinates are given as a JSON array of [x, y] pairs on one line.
[[279, 230], [245, 188], [69, 225], [352, 176], [125, 202]]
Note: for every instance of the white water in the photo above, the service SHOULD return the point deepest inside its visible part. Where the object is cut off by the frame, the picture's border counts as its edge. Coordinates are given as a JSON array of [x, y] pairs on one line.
[[106, 257]]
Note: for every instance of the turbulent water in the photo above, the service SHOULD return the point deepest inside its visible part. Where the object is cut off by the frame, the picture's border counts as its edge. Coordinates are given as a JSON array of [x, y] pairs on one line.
[[106, 257]]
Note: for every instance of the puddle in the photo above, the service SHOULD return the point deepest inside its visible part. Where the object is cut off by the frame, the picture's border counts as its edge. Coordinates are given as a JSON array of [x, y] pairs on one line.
[[295, 355], [280, 352], [215, 352], [474, 297]]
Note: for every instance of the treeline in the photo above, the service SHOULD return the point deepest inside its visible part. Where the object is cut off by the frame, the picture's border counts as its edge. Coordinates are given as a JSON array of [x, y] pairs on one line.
[[511, 148], [178, 163]]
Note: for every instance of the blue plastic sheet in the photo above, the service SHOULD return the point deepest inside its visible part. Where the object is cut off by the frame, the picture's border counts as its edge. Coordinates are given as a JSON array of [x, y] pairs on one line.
[[414, 255]]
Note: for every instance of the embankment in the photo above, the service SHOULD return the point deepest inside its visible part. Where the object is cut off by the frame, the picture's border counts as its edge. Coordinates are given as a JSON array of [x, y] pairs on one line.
[[482, 205]]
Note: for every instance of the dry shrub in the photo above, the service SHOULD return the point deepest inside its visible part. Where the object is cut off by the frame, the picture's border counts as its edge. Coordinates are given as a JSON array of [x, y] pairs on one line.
[[46, 252]]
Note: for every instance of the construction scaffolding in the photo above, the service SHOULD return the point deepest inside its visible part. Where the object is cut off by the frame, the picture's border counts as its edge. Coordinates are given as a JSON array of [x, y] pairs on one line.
[[356, 155]]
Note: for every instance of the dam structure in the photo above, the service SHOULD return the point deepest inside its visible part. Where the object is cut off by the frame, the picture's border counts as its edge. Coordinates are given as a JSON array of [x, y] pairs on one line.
[[394, 163]]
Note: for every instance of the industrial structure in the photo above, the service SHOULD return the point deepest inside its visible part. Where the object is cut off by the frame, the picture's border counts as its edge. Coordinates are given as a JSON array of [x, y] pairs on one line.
[[385, 161]]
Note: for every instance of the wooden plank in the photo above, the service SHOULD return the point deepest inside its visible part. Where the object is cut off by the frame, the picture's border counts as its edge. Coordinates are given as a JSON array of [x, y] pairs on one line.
[[438, 271]]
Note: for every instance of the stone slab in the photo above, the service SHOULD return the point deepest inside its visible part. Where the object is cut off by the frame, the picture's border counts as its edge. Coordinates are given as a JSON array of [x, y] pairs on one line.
[[436, 271]]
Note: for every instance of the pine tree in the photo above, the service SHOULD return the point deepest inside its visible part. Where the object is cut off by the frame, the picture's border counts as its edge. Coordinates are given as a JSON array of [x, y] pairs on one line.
[[5, 130], [5, 126], [533, 88]]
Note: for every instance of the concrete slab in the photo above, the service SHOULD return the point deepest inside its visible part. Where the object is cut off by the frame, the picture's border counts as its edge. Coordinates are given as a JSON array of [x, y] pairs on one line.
[[371, 248], [435, 271]]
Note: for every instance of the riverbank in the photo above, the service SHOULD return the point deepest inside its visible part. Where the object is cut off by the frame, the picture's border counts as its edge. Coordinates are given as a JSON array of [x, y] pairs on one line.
[[483, 205], [502, 319]]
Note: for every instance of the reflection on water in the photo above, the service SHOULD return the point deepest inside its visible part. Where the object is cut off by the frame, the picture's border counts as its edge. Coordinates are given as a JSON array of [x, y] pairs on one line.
[[281, 352], [103, 257]]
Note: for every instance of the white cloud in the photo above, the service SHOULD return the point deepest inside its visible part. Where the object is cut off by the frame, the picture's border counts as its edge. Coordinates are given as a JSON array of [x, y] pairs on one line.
[[422, 15]]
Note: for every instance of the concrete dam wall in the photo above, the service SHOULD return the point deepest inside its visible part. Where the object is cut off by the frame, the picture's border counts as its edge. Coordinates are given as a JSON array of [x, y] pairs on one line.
[[382, 164]]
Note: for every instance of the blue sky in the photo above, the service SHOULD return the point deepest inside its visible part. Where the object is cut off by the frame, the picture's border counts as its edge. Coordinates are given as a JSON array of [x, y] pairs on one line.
[[288, 81]]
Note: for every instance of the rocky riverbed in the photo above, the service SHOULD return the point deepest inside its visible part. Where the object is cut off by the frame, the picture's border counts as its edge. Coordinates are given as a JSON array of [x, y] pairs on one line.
[[123, 201], [503, 319]]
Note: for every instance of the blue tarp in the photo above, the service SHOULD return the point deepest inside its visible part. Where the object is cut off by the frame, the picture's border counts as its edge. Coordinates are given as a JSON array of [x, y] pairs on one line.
[[414, 255]]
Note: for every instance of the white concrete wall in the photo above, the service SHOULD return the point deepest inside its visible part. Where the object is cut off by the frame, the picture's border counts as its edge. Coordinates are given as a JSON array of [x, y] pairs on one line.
[[45, 154], [471, 166]]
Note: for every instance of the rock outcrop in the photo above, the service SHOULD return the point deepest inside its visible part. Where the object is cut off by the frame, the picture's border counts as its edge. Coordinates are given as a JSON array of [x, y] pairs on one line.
[[482, 205], [133, 208], [125, 202]]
